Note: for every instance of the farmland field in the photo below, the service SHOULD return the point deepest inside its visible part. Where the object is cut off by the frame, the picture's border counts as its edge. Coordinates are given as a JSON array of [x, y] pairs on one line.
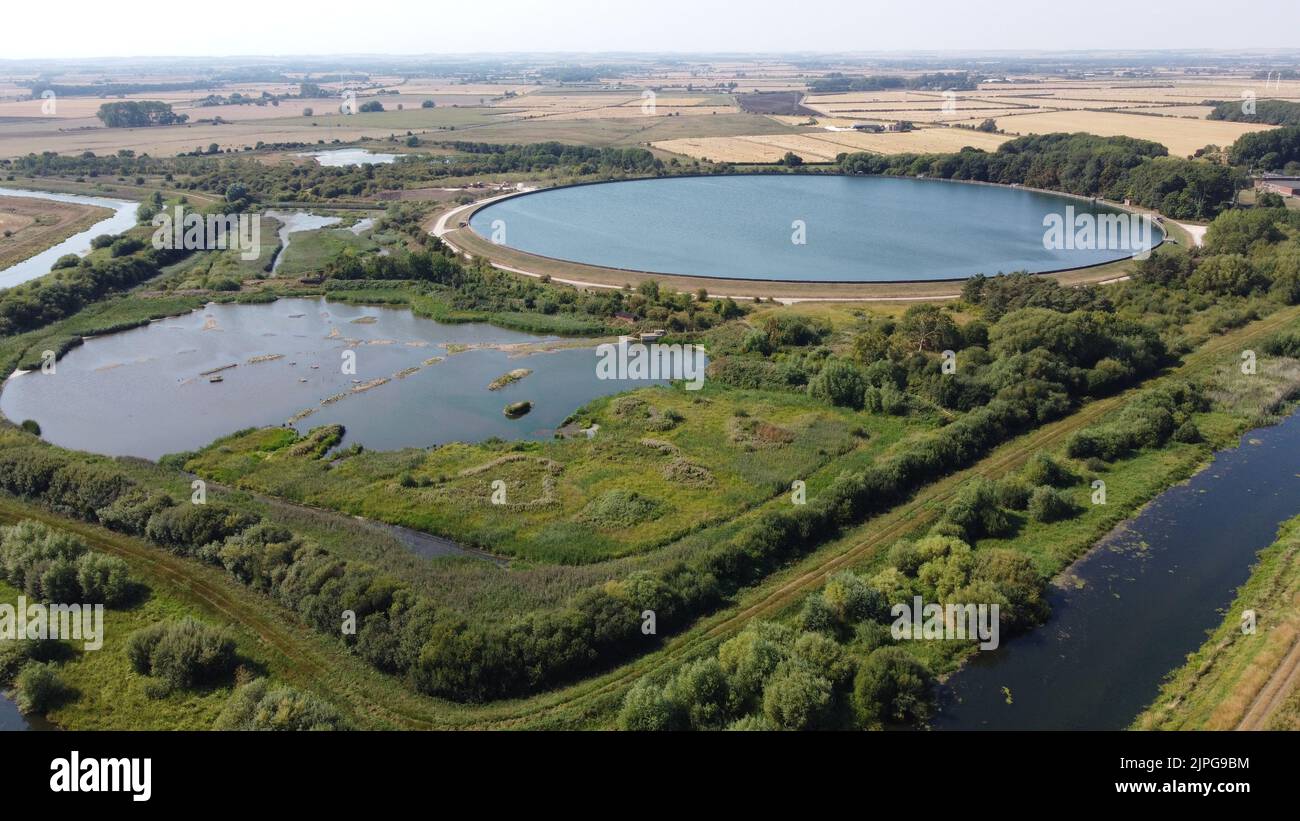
[[823, 146], [1181, 137]]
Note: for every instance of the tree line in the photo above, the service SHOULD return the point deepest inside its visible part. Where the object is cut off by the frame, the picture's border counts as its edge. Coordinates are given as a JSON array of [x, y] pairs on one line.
[[1116, 168], [138, 114]]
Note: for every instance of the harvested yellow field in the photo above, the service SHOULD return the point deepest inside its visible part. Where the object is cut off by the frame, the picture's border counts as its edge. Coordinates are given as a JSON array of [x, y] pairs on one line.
[[634, 110], [77, 107], [452, 88], [920, 141], [18, 139], [863, 97], [820, 120], [825, 146], [612, 105], [960, 115], [1192, 112], [1180, 136], [812, 147], [242, 113], [723, 149]]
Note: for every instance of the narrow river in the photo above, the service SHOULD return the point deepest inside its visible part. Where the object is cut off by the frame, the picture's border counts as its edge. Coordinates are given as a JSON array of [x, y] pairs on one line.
[[1130, 611], [79, 243]]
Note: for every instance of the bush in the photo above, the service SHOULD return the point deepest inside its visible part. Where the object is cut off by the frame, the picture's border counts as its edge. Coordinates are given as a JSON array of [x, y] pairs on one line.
[[1187, 433], [34, 555], [750, 658], [223, 284], [647, 709], [258, 705], [1286, 343], [891, 685], [54, 581], [125, 247], [850, 599], [977, 512], [13, 655], [1013, 493], [796, 698], [183, 654], [104, 579], [186, 528], [699, 691], [751, 372], [31, 426], [1047, 504], [1042, 469], [886, 399], [839, 383], [1226, 274], [39, 687]]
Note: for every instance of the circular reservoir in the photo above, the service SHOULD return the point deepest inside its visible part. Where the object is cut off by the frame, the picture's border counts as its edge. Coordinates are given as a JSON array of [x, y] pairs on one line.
[[854, 229]]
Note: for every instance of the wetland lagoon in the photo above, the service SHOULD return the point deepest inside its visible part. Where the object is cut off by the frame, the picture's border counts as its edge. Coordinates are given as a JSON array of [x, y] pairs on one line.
[[179, 383]]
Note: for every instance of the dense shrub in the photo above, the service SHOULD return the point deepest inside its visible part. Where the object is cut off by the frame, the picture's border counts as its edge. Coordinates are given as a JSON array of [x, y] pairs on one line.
[[839, 383], [1042, 469], [1148, 421], [39, 687], [185, 528], [35, 558], [756, 374], [258, 705], [977, 513], [13, 655], [891, 686], [1047, 504], [1285, 343], [182, 654], [104, 579], [796, 698]]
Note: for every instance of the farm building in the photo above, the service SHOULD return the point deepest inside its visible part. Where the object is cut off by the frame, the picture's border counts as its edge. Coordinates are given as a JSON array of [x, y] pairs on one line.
[[1286, 186]]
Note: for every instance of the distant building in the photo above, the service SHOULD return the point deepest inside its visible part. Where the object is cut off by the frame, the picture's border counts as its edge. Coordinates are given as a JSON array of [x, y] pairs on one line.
[[652, 336], [1286, 186]]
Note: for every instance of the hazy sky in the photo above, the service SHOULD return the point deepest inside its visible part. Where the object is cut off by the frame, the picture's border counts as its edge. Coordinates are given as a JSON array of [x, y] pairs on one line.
[[95, 28]]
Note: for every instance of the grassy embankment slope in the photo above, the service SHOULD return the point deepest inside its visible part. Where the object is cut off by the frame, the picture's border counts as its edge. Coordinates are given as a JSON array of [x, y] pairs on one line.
[[1239, 680]]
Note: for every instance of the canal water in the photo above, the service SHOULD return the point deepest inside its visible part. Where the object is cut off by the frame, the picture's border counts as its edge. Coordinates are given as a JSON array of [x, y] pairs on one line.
[[1129, 612]]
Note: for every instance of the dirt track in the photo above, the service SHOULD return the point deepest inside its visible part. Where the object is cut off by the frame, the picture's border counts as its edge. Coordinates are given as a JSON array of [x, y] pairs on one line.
[[1275, 691]]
